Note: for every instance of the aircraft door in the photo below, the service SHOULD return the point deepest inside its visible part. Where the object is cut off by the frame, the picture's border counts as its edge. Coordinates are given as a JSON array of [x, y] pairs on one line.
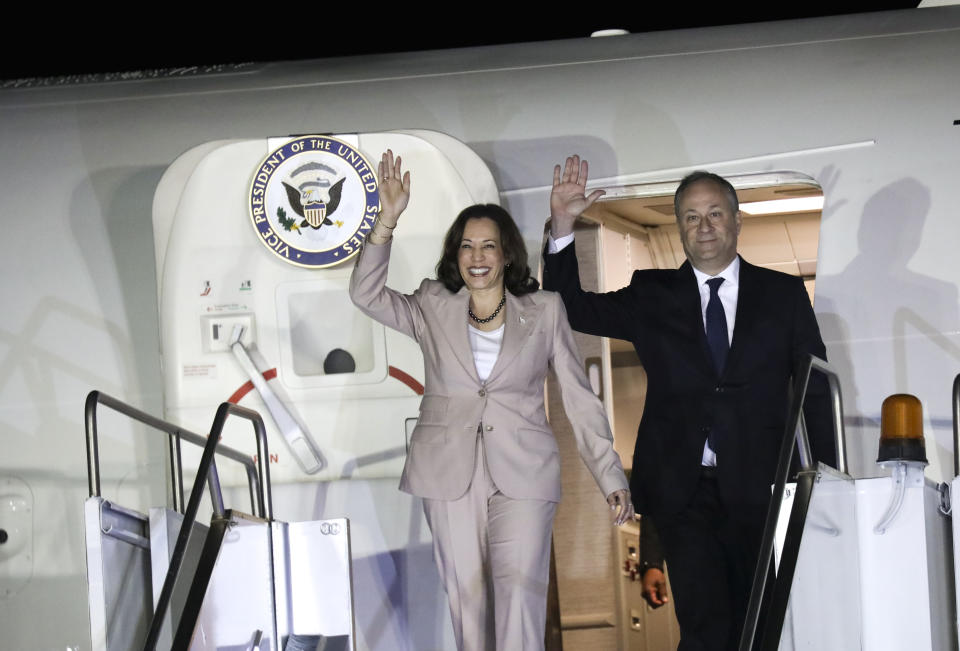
[[255, 241]]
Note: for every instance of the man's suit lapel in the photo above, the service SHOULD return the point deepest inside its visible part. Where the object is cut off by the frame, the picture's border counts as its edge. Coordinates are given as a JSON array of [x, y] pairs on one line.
[[520, 322], [452, 314], [749, 300]]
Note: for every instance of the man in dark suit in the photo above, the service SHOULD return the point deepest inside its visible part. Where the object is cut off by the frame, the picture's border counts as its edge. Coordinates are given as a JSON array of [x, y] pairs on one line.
[[719, 340]]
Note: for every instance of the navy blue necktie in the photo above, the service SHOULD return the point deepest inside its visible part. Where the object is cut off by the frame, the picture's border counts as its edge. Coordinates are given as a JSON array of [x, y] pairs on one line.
[[718, 341], [716, 328]]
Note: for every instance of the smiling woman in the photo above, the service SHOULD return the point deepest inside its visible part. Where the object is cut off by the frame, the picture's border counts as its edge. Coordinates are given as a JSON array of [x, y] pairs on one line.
[[516, 272], [484, 252], [481, 256], [483, 456]]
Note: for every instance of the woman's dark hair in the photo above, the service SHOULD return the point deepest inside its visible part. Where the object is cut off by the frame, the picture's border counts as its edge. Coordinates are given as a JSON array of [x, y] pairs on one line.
[[516, 276]]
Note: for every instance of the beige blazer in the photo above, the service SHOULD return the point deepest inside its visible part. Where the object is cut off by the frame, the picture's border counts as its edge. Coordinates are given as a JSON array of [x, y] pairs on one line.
[[521, 450]]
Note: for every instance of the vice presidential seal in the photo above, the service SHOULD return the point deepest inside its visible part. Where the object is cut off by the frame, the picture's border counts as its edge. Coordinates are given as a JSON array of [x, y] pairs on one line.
[[313, 200]]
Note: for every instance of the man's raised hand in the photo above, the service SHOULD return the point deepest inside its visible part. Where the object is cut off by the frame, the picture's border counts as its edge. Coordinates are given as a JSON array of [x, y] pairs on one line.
[[568, 199]]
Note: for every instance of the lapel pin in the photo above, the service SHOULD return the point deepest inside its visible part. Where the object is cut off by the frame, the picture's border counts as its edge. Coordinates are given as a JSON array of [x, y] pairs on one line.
[[522, 320]]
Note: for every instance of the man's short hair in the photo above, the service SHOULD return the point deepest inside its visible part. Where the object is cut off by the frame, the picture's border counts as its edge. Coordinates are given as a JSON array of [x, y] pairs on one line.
[[701, 175]]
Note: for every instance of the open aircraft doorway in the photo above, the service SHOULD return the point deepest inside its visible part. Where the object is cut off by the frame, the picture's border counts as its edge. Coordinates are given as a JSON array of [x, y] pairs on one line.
[[634, 227], [254, 245]]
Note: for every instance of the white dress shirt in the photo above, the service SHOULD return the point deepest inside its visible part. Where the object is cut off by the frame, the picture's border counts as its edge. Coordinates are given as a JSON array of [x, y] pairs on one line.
[[728, 293]]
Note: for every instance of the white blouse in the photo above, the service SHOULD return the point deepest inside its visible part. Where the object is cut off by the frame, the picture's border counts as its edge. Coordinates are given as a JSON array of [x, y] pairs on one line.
[[486, 349]]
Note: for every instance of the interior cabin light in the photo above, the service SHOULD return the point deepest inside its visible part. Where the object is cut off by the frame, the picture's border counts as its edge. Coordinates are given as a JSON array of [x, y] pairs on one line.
[[901, 429], [778, 206]]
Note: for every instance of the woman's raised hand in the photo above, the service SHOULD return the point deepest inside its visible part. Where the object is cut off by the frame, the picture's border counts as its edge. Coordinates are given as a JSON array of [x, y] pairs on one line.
[[394, 189]]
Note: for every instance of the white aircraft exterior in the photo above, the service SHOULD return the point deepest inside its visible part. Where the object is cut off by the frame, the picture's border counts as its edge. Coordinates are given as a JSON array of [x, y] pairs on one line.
[[867, 108]]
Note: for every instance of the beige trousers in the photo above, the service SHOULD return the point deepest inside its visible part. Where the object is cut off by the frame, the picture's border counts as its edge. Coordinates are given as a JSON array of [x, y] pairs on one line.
[[493, 554]]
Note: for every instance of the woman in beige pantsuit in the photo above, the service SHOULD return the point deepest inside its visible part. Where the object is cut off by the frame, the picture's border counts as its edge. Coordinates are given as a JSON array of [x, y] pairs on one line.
[[482, 456]]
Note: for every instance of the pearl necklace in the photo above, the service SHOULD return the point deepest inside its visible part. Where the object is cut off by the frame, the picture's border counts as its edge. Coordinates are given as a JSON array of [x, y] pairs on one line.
[[503, 300]]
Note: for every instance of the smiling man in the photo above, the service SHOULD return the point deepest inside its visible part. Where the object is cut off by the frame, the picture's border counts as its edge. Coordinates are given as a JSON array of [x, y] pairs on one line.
[[719, 339]]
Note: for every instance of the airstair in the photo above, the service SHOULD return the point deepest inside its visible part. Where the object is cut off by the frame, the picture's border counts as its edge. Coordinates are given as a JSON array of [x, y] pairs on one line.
[[854, 564], [242, 582]]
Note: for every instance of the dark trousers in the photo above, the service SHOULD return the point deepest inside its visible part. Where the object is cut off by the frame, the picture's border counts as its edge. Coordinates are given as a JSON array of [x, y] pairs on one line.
[[711, 553]]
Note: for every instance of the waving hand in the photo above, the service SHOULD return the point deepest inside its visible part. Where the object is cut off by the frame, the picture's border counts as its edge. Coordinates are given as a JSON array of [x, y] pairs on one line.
[[568, 199], [394, 189]]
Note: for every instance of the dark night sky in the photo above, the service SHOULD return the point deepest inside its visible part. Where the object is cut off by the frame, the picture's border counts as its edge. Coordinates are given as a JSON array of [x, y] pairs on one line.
[[92, 44]]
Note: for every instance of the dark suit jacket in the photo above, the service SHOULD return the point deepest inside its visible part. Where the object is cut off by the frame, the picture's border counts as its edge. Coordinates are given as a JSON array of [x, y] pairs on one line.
[[659, 312]]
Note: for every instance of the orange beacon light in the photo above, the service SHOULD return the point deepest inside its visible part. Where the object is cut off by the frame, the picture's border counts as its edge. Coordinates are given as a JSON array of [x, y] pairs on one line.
[[901, 429]]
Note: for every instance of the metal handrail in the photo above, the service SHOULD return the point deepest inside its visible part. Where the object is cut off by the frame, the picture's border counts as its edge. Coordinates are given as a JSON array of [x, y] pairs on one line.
[[175, 434], [956, 425], [205, 469], [836, 410], [796, 431]]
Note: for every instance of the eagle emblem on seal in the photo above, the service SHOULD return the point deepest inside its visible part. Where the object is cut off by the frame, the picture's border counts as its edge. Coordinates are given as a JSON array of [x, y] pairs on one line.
[[308, 202]]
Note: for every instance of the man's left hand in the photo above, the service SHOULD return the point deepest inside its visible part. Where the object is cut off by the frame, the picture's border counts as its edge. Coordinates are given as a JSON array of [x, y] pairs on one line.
[[654, 587]]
